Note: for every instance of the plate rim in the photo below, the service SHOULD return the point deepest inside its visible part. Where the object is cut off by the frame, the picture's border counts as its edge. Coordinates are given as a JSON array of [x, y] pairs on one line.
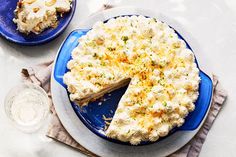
[[72, 132]]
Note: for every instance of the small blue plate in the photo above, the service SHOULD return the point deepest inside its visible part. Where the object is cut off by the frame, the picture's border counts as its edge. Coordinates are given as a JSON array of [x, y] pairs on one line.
[[92, 114], [8, 27]]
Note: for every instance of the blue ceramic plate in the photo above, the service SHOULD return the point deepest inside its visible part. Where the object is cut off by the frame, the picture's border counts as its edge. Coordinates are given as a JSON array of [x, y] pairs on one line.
[[92, 114], [8, 28]]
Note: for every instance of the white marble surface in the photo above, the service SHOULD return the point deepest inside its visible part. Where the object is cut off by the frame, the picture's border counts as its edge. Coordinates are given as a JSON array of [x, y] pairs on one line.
[[213, 24]]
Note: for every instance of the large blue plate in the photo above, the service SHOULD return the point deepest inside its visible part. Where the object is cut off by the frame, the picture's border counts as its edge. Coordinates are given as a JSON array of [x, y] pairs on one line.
[[92, 114], [8, 28]]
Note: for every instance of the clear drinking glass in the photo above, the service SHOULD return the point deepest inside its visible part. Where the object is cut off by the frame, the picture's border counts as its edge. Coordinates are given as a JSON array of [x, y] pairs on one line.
[[27, 106]]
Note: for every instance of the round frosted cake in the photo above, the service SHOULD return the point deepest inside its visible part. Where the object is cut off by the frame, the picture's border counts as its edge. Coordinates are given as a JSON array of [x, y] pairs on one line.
[[147, 55]]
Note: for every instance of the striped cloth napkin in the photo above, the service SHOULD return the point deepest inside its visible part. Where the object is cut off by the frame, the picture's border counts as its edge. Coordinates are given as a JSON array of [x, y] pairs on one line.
[[40, 75]]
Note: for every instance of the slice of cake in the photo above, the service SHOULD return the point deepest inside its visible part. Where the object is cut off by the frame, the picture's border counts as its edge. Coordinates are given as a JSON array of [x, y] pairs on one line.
[[37, 15]]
